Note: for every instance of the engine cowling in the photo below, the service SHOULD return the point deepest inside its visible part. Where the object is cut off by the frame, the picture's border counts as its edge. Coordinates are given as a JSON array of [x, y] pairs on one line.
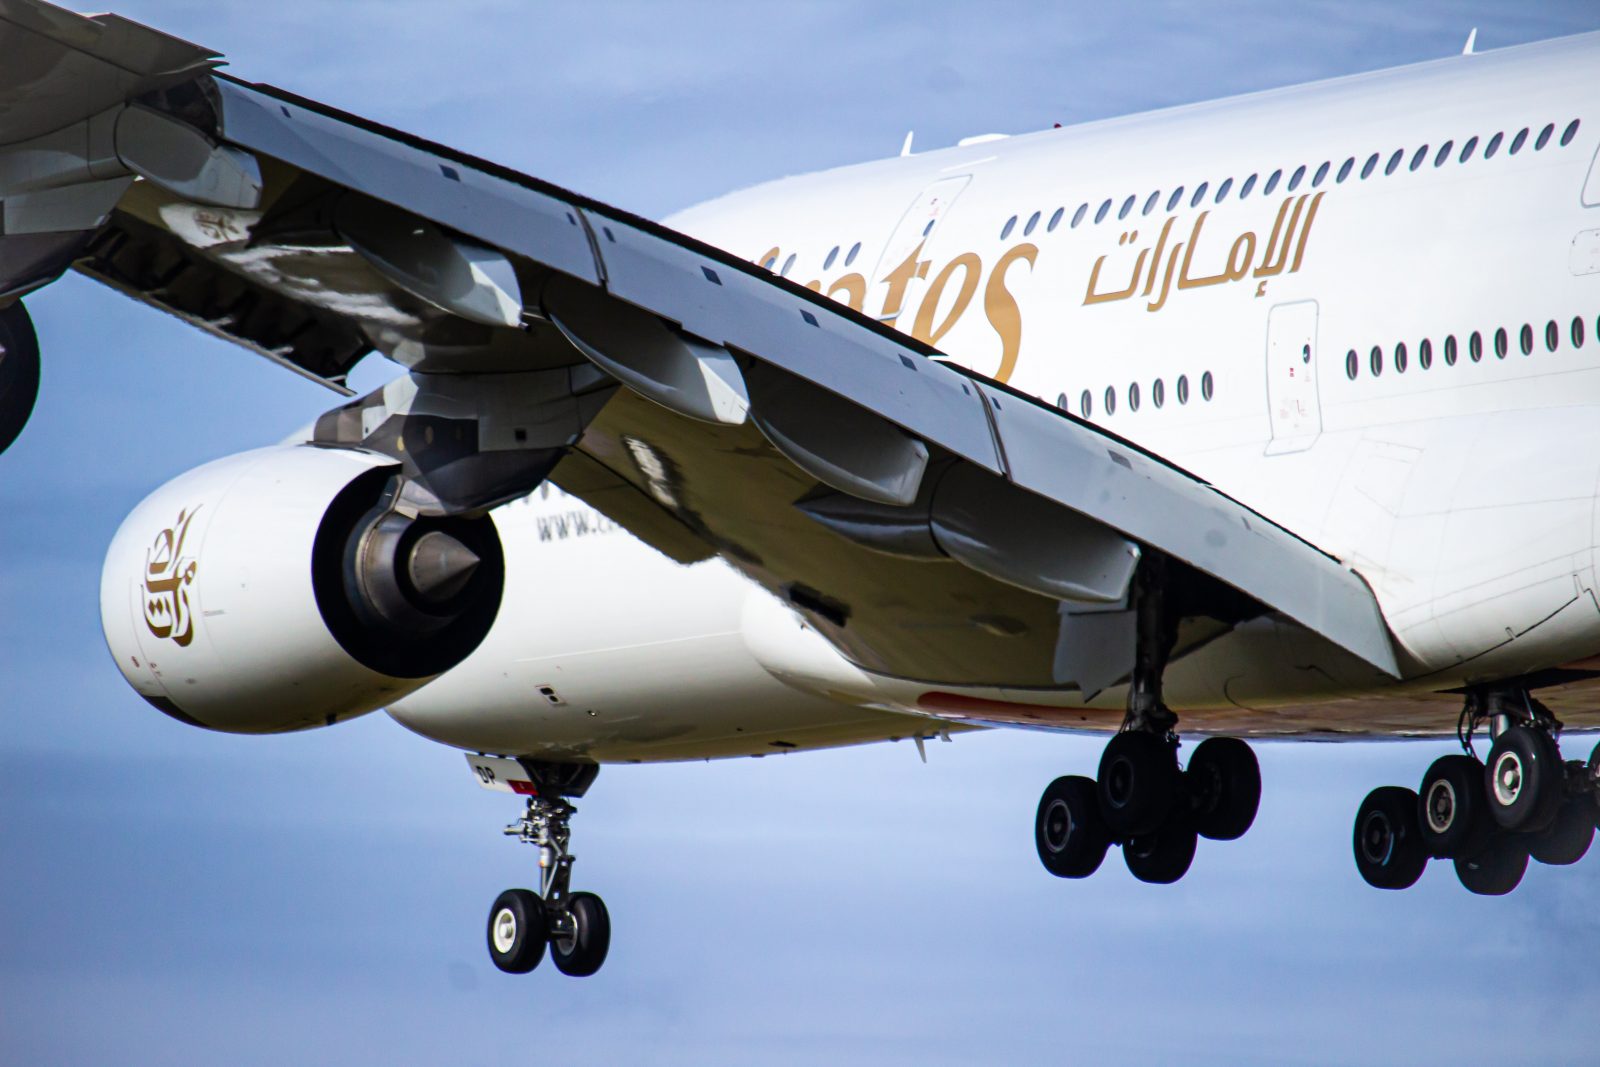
[[276, 590]]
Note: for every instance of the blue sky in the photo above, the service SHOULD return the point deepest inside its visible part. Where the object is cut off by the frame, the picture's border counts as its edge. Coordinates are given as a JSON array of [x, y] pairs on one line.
[[170, 895]]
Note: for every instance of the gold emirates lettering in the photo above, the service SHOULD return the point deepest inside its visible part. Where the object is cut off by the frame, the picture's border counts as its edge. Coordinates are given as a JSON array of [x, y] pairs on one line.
[[168, 574], [964, 274]]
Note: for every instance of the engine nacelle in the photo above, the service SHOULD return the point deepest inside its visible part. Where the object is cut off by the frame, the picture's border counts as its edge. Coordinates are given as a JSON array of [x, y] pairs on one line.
[[276, 590]]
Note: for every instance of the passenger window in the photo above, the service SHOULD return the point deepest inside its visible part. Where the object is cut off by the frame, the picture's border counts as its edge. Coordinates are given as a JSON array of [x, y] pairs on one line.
[[1416, 160], [1100, 216], [1077, 216], [1033, 221], [1199, 194], [1005, 231], [1222, 190], [833, 254], [1249, 184], [1111, 400], [1177, 195], [771, 261], [1272, 183], [1467, 149], [1061, 402], [1569, 133], [1544, 137], [1369, 166], [850, 257], [1400, 358], [1183, 388], [1444, 153], [1294, 180], [1158, 393], [1133, 397], [1085, 404], [1394, 161], [1475, 346], [1577, 333], [1425, 354], [788, 265], [1450, 350], [1375, 361], [1552, 335], [1493, 146], [1055, 220], [1322, 172], [1518, 141], [1526, 338], [1127, 206], [1206, 387], [1345, 169], [1150, 204], [1501, 345], [1352, 365]]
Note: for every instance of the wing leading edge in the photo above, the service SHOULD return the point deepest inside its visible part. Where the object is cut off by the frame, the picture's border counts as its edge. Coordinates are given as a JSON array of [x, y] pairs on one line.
[[839, 463]]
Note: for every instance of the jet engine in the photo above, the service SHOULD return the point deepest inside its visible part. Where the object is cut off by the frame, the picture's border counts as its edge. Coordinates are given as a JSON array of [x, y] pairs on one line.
[[279, 590]]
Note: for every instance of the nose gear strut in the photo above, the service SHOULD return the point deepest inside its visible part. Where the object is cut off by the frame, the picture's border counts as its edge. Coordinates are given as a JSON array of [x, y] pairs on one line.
[[575, 926]]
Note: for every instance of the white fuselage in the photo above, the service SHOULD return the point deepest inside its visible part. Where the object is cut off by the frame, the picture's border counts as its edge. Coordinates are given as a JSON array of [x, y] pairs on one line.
[[1252, 333]]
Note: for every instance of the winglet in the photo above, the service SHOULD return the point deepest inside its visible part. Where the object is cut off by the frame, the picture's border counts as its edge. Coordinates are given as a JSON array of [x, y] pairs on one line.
[[1472, 39], [905, 149]]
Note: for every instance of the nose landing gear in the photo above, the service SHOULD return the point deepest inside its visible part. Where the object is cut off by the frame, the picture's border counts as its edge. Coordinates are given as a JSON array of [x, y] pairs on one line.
[[1488, 818], [575, 927]]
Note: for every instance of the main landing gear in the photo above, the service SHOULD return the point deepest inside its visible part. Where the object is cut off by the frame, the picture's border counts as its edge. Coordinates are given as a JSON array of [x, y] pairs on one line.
[[574, 926], [1142, 799], [1488, 818]]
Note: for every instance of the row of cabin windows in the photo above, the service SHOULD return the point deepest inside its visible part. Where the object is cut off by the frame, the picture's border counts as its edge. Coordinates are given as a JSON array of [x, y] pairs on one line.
[[1441, 156], [771, 261], [1158, 395], [1500, 341]]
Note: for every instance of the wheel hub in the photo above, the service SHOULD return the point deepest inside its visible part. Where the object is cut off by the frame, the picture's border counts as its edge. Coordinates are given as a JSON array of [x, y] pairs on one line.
[[1441, 806], [1377, 838], [1120, 779], [1508, 778], [1057, 825], [505, 930]]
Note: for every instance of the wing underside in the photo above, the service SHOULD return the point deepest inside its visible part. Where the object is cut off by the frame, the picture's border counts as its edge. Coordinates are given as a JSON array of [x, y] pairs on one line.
[[931, 523]]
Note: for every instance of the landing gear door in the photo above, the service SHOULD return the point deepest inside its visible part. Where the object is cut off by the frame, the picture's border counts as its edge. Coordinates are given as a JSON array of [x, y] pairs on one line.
[[902, 269], [1292, 402]]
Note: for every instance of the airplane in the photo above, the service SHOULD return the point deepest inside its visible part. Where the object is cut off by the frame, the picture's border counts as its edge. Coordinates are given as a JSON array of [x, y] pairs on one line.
[[1270, 417]]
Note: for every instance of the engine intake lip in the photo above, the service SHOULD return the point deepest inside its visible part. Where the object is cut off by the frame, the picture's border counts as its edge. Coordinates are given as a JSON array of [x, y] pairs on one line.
[[366, 595]]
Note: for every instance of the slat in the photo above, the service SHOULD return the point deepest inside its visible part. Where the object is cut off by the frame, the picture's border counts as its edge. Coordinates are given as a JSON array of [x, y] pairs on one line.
[[484, 206]]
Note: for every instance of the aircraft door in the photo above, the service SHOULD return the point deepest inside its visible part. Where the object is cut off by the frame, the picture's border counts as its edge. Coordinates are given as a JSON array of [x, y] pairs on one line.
[[902, 271], [1292, 402]]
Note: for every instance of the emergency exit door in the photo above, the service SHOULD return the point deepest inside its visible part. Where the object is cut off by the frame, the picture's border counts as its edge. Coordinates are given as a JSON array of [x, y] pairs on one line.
[[1292, 402]]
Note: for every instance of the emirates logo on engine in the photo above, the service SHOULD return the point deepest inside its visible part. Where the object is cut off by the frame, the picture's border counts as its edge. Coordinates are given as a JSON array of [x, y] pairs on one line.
[[168, 574]]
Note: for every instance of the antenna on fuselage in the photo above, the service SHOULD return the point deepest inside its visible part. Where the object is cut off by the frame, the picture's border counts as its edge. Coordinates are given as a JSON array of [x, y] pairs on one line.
[[1472, 39], [905, 149]]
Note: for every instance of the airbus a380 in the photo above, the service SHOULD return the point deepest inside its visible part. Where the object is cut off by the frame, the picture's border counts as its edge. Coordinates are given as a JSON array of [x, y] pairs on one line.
[[1272, 417]]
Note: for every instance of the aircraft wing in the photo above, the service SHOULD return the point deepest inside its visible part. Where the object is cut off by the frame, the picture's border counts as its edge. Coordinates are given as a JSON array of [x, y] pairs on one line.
[[933, 524]]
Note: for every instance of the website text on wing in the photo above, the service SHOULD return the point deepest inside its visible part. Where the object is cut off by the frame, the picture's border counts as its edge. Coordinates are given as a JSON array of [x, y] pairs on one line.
[[1272, 417]]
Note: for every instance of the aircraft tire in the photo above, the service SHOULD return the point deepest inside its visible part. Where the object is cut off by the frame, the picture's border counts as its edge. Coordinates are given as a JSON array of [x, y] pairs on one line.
[[518, 931], [1388, 841], [1224, 783], [1453, 812], [1164, 855], [1523, 779], [19, 372], [1568, 837], [582, 954], [1495, 871], [1138, 783], [1068, 830]]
